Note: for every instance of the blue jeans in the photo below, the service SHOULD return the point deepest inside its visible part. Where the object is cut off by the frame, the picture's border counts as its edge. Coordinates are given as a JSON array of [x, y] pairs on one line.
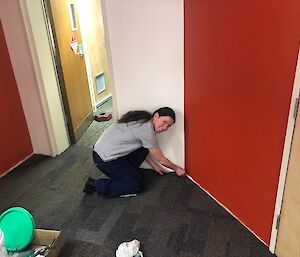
[[123, 173]]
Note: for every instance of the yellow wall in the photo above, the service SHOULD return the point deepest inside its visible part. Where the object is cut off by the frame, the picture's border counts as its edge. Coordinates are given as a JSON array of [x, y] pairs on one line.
[[92, 26]]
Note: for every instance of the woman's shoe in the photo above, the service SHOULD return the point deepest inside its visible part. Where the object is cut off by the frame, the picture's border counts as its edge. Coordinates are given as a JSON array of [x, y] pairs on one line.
[[104, 117]]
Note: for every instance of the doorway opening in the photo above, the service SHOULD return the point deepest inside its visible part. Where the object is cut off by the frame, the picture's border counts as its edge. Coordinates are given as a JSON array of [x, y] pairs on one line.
[[96, 129], [76, 32]]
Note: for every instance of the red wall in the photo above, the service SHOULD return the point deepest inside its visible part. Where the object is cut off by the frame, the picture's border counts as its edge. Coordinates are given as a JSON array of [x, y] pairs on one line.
[[15, 140], [240, 61]]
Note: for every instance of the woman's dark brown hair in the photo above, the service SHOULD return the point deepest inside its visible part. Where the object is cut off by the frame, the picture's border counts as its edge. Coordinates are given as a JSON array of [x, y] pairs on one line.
[[144, 116]]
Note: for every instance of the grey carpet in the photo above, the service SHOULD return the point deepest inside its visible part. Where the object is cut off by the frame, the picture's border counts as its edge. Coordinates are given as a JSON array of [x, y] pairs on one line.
[[172, 218]]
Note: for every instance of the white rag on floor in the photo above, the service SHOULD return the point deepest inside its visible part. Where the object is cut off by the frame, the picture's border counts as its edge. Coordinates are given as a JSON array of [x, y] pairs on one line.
[[129, 249]]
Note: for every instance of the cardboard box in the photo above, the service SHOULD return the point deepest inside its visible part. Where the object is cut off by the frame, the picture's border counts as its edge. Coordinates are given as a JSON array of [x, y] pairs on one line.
[[51, 238]]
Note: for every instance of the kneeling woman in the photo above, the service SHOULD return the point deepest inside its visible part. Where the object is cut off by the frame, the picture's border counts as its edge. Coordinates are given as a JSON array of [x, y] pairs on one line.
[[122, 148]]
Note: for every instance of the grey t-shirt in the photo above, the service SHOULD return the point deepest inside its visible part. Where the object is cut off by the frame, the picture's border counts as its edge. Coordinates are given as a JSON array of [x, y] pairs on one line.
[[121, 139]]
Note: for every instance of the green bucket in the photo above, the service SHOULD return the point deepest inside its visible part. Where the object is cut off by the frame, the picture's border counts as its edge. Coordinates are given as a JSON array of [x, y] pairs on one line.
[[17, 225]]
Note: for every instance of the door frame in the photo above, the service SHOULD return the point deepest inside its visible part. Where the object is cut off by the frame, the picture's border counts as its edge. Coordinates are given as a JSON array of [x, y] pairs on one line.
[[44, 73], [56, 59], [285, 156]]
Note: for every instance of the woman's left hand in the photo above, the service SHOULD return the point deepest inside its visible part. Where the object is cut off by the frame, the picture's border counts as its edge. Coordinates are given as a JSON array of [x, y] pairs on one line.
[[180, 171]]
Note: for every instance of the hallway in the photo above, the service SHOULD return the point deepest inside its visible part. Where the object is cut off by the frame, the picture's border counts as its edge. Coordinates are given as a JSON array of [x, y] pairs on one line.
[[172, 218]]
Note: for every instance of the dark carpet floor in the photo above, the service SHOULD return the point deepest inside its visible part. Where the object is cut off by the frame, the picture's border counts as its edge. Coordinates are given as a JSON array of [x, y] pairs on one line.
[[172, 218]]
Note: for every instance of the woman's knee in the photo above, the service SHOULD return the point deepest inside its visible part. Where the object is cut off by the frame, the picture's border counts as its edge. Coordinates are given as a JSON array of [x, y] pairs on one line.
[[140, 186]]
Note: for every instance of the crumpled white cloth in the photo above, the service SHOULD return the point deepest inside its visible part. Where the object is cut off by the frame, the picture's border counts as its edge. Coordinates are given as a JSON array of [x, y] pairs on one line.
[[129, 249]]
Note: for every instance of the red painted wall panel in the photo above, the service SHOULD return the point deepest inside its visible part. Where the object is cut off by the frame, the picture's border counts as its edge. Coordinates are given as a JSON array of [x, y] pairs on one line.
[[15, 139], [240, 61]]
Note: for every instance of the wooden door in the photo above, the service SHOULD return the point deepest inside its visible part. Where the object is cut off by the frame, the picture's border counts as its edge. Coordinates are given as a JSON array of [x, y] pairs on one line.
[[288, 239], [71, 66]]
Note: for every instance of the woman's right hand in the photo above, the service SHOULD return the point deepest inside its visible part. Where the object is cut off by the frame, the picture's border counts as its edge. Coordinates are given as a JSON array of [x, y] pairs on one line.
[[159, 169]]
